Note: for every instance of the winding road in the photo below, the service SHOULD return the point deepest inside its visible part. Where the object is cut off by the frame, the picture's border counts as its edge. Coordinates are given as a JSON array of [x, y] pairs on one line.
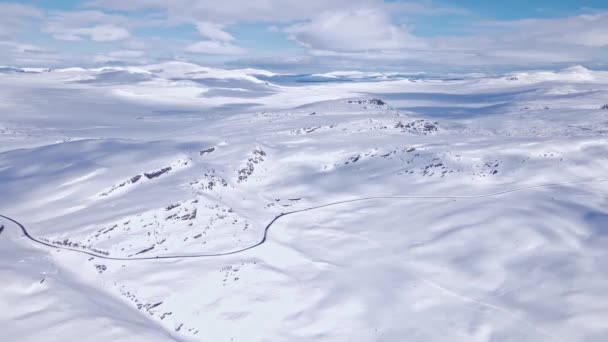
[[278, 217]]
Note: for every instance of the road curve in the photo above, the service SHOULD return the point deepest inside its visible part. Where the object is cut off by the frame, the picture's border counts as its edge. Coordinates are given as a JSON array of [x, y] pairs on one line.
[[278, 217]]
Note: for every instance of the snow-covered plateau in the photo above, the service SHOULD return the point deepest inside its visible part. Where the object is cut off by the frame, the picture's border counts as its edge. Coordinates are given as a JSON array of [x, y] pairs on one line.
[[174, 202]]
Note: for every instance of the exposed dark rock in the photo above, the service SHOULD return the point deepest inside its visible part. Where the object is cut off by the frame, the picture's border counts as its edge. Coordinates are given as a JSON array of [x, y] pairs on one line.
[[375, 102], [105, 231], [101, 268], [190, 216], [148, 306], [353, 159], [429, 127], [155, 174], [132, 180], [421, 126], [145, 250], [258, 157], [206, 151], [68, 243], [172, 206], [154, 305]]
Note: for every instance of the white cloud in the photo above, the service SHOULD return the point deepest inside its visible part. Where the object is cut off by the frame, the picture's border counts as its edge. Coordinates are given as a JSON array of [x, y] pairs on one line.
[[127, 54], [131, 5], [93, 25], [230, 11], [355, 30], [214, 32], [373, 38], [576, 39], [10, 10], [21, 54], [28, 48], [219, 41], [132, 56], [15, 17], [212, 47], [106, 33], [100, 33], [136, 44], [333, 32], [585, 30], [273, 28]]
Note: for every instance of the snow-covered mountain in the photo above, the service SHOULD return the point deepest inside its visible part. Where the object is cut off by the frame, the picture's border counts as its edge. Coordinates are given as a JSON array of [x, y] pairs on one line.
[[179, 202]]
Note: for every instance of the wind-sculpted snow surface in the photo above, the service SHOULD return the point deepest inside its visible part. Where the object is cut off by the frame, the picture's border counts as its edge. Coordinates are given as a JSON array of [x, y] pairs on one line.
[[166, 206]]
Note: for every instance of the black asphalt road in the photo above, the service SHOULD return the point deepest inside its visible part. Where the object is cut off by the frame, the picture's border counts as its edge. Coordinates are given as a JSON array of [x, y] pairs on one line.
[[278, 217]]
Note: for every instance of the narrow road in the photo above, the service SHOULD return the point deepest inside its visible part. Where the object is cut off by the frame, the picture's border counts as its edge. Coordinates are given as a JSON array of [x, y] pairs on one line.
[[278, 217]]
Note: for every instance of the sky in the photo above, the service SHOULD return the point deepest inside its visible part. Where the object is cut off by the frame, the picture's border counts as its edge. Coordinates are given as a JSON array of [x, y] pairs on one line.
[[296, 35]]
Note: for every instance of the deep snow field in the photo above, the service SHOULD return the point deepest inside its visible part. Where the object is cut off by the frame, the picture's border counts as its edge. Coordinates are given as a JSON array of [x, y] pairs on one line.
[[468, 208]]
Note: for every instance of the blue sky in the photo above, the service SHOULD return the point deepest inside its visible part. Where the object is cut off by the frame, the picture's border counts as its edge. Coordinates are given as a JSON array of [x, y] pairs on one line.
[[312, 34], [521, 9]]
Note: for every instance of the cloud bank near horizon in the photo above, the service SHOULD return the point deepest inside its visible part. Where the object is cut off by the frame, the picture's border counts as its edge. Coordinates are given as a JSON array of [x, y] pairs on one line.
[[291, 34]]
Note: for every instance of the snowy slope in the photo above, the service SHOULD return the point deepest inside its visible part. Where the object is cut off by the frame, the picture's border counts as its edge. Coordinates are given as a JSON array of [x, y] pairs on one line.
[[178, 202]]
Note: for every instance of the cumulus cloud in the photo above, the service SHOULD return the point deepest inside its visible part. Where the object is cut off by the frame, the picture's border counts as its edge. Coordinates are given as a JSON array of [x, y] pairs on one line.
[[100, 33], [14, 17], [131, 56], [576, 39], [354, 30], [214, 32], [332, 32], [213, 47], [28, 54], [584, 30], [372, 37], [230, 11], [11, 9], [131, 5], [93, 25], [127, 54], [219, 41]]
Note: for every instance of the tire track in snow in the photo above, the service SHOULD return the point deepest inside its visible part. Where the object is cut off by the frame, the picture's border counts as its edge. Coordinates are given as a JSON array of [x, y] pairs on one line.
[[479, 302]]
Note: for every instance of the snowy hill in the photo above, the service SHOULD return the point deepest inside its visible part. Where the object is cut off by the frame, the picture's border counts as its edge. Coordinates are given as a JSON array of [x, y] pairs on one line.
[[179, 202]]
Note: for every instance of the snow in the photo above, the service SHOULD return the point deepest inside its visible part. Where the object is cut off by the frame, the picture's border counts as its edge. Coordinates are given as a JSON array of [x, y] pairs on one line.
[[216, 205], [355, 75]]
